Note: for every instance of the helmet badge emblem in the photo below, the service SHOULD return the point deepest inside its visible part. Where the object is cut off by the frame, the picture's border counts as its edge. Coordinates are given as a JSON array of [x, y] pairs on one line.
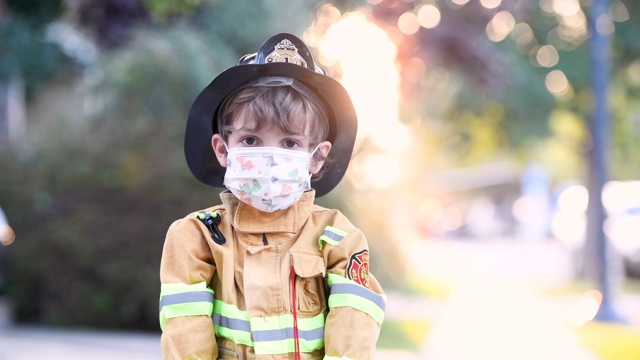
[[286, 52]]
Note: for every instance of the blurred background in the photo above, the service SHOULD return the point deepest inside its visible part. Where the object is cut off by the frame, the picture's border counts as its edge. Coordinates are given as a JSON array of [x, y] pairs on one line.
[[496, 172]]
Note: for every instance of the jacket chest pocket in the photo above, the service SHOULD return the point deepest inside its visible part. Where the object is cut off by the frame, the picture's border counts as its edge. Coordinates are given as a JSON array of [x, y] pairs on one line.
[[310, 285]]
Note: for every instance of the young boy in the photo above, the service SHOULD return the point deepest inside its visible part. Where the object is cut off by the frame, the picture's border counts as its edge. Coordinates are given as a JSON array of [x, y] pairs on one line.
[[268, 274]]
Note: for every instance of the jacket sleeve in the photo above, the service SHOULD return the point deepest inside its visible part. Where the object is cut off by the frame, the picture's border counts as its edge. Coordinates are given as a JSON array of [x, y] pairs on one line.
[[356, 300], [186, 300]]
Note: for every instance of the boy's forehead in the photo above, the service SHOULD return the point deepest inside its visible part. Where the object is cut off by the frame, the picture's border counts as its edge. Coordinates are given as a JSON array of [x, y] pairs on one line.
[[250, 124]]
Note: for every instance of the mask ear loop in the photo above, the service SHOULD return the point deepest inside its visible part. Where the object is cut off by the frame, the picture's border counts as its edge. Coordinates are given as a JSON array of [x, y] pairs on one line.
[[226, 148], [311, 159], [314, 151]]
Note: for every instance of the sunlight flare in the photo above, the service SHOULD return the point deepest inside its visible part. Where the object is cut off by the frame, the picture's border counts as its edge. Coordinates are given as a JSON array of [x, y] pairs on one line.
[[365, 57]]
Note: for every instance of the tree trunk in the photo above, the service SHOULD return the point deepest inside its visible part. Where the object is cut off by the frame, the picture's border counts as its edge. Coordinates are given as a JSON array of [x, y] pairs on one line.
[[12, 111]]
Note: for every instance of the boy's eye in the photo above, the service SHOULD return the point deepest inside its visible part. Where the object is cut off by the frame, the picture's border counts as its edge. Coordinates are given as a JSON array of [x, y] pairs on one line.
[[249, 141], [290, 144]]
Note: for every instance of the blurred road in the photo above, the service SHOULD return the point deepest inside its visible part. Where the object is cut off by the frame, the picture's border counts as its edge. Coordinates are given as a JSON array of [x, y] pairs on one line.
[[52, 344], [495, 310]]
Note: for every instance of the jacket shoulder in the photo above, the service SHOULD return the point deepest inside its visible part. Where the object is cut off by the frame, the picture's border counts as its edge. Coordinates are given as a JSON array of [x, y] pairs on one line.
[[333, 218], [191, 222]]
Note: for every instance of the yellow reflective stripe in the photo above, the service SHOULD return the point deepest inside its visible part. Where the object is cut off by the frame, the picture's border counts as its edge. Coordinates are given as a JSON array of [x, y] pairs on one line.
[[267, 335], [331, 236], [274, 335], [348, 293], [276, 347], [184, 300], [312, 345], [286, 320], [231, 323], [311, 332]]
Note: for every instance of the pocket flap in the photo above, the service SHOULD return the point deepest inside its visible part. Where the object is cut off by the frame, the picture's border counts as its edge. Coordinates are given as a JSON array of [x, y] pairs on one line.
[[308, 265]]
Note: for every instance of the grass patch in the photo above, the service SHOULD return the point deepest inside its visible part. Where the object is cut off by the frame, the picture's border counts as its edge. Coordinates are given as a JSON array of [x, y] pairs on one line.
[[431, 288], [403, 335], [607, 340], [610, 341], [579, 286], [631, 285]]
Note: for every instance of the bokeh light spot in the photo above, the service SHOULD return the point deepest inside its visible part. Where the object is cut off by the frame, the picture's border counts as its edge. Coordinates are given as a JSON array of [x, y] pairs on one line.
[[618, 11], [408, 23], [586, 308], [522, 35], [604, 25], [557, 82], [566, 7], [547, 56], [500, 26], [490, 4], [429, 16]]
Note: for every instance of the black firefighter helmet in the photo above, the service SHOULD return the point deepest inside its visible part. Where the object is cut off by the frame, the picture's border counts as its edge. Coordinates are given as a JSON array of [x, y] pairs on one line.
[[282, 55]]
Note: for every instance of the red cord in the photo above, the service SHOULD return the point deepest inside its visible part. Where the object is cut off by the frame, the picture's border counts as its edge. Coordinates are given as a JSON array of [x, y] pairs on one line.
[[295, 314]]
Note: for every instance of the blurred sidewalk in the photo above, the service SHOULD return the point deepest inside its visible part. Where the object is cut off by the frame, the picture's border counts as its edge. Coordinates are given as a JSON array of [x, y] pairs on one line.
[[496, 309], [17, 342], [500, 317]]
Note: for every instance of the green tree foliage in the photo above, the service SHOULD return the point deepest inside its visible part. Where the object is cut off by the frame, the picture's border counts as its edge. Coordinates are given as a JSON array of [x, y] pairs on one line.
[[166, 9], [91, 197], [25, 52], [625, 91], [480, 100], [482, 75]]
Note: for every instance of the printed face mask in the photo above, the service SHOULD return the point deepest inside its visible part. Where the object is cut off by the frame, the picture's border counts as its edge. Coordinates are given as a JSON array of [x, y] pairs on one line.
[[267, 178]]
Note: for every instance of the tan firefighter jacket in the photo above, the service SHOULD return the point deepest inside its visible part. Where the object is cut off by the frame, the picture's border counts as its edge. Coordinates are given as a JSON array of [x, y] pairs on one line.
[[235, 300]]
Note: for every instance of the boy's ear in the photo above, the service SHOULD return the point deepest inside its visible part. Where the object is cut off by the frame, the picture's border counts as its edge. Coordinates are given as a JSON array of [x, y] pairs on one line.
[[316, 164], [217, 143]]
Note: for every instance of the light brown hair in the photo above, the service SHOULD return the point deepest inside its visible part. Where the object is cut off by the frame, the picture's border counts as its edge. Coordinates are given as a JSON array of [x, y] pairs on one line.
[[281, 106]]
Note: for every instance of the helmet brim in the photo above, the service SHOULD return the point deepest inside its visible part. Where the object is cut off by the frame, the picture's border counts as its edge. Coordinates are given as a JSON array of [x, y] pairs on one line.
[[202, 123]]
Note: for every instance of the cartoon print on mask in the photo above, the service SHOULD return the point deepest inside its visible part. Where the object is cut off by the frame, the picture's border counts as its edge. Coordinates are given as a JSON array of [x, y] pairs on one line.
[[255, 186], [261, 181], [245, 165], [244, 198], [269, 204], [270, 161], [286, 190], [293, 175]]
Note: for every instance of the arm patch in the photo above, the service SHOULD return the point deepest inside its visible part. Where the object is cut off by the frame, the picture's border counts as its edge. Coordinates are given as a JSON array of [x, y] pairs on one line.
[[358, 268]]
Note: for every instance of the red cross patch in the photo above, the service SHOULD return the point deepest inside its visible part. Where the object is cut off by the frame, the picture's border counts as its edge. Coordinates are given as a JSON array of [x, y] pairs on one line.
[[358, 269]]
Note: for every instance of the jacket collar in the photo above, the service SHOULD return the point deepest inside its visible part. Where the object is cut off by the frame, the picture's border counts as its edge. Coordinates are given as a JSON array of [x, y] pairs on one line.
[[247, 219]]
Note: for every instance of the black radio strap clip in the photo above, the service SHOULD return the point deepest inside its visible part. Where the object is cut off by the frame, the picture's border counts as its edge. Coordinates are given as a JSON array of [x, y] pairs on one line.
[[211, 221]]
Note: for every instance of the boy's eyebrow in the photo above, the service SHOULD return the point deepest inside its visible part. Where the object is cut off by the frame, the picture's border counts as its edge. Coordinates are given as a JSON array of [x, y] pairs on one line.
[[252, 130]]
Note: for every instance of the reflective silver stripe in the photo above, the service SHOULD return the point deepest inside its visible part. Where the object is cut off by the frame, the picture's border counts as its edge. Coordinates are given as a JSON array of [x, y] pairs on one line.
[[287, 333], [186, 297], [230, 323], [353, 289], [332, 235]]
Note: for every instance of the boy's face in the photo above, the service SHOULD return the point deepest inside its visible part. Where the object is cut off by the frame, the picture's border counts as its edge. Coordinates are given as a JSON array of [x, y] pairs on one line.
[[244, 134]]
